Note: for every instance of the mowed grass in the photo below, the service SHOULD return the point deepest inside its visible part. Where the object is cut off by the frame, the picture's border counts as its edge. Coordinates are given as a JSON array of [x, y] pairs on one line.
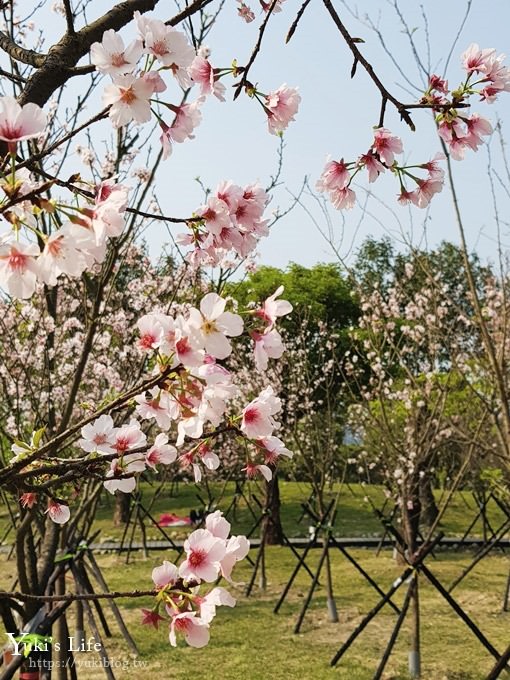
[[355, 516], [250, 642]]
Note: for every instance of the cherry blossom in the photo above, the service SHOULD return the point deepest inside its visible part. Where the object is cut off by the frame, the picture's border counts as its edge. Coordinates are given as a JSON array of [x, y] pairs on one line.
[[166, 574], [58, 512], [161, 452], [128, 98], [28, 499], [257, 418], [129, 437], [236, 549], [19, 123], [171, 48], [386, 145], [121, 475], [212, 325], [334, 176], [204, 553], [281, 106], [215, 598], [19, 268], [98, 435], [245, 12], [202, 73], [268, 345], [111, 57], [273, 308], [196, 631]]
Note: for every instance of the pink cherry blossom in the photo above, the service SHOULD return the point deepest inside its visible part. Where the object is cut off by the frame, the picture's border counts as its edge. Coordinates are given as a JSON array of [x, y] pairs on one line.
[[386, 145], [334, 176], [187, 118], [433, 168], [129, 437], [257, 419], [253, 470], [151, 331], [128, 98], [204, 553], [61, 256], [215, 598], [98, 435], [426, 190], [342, 198], [273, 308], [196, 631], [245, 12], [212, 325], [165, 575], [156, 82], [18, 268], [202, 73], [273, 448], [268, 345], [236, 549], [157, 406], [110, 56], [475, 60], [281, 107], [216, 215], [477, 127], [121, 475], [20, 123], [372, 165], [58, 512], [161, 452], [28, 499], [217, 525], [171, 48]]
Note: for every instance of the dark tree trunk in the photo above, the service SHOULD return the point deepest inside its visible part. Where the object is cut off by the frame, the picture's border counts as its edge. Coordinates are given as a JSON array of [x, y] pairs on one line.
[[411, 515], [274, 531], [429, 510], [121, 512]]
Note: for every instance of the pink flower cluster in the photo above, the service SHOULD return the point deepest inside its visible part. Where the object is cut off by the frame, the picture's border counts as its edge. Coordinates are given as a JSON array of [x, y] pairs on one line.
[[75, 246], [268, 342], [194, 394], [231, 221], [487, 76], [133, 92], [337, 176], [210, 554]]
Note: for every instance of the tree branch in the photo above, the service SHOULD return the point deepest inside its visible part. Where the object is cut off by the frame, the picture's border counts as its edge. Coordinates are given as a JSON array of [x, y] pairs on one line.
[[359, 58], [20, 53]]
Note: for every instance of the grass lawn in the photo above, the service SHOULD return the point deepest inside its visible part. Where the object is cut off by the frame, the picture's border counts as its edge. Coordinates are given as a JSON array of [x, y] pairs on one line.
[[250, 642], [354, 517]]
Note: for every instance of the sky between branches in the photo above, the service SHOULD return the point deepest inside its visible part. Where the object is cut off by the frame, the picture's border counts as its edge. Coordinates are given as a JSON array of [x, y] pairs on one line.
[[336, 117]]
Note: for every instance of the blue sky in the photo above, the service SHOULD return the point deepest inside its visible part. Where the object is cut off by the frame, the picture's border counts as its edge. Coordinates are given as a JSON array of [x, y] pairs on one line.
[[336, 116]]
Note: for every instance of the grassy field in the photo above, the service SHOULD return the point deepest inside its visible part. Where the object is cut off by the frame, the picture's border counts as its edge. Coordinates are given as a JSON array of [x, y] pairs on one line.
[[354, 517], [251, 642]]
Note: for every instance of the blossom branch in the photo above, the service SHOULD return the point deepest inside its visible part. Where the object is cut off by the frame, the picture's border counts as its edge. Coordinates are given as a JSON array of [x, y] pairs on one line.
[[20, 53], [359, 58], [73, 597], [255, 51], [59, 439], [296, 21], [69, 17]]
